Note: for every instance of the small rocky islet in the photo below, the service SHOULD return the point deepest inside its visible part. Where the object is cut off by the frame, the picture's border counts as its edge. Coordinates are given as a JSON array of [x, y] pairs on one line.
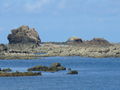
[[55, 67], [7, 72]]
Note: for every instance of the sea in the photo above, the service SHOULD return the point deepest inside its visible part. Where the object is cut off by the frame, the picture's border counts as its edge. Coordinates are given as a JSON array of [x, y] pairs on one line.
[[94, 74]]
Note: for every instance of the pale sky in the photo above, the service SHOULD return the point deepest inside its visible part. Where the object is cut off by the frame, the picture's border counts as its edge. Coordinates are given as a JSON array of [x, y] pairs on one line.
[[57, 20]]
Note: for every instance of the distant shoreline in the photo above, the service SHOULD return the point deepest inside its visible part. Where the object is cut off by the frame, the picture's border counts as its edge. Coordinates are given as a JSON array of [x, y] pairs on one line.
[[25, 43], [53, 49]]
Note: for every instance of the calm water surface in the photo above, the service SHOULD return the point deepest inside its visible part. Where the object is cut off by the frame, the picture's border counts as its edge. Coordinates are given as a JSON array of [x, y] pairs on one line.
[[94, 74]]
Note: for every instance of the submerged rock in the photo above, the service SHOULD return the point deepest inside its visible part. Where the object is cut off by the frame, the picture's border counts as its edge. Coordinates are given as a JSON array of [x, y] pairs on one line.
[[56, 65], [38, 68], [16, 74], [73, 72], [24, 35]]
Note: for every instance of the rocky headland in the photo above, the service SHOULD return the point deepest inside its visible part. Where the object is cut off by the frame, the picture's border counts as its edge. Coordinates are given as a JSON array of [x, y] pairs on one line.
[[25, 43]]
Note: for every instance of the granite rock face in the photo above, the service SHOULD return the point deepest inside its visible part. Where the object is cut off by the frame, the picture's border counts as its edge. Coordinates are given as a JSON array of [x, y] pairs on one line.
[[24, 35]]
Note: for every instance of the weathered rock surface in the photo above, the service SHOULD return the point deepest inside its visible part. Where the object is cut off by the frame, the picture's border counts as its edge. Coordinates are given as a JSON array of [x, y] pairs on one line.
[[56, 65], [87, 51], [70, 50], [74, 40], [16, 74], [73, 72], [3, 48], [98, 41], [23, 35], [94, 41], [53, 68]]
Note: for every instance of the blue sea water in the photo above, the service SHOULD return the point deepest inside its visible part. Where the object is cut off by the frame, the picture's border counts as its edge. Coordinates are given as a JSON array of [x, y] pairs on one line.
[[94, 74]]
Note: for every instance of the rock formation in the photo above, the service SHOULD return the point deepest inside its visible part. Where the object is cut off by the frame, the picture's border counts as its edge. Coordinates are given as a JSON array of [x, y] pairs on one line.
[[98, 41], [94, 41], [3, 48], [73, 72], [74, 40], [24, 35], [53, 68]]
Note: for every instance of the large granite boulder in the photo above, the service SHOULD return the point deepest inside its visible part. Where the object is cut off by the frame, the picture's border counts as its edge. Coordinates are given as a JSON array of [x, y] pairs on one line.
[[74, 40], [24, 35]]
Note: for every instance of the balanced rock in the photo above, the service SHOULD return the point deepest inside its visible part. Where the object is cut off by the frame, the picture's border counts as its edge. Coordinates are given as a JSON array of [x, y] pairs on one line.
[[74, 39], [24, 35]]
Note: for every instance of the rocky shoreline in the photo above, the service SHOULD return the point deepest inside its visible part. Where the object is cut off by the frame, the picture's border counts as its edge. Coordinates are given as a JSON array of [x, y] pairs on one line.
[[78, 50], [48, 50], [24, 43]]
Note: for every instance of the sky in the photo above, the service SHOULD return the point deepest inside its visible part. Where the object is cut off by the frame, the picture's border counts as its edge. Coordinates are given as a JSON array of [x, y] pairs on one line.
[[57, 20]]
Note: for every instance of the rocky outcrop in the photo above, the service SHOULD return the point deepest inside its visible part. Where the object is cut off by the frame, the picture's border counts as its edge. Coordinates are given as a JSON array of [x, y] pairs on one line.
[[73, 72], [56, 65], [74, 40], [3, 48], [94, 41], [24, 35], [53, 68], [98, 41], [16, 74]]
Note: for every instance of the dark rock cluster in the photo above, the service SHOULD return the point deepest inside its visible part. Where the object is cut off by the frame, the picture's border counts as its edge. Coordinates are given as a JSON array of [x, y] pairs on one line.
[[94, 41], [53, 68], [73, 72]]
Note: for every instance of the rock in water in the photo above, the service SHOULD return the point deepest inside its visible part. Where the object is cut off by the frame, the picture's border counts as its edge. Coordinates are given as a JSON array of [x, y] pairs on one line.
[[24, 35], [73, 72], [56, 65]]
